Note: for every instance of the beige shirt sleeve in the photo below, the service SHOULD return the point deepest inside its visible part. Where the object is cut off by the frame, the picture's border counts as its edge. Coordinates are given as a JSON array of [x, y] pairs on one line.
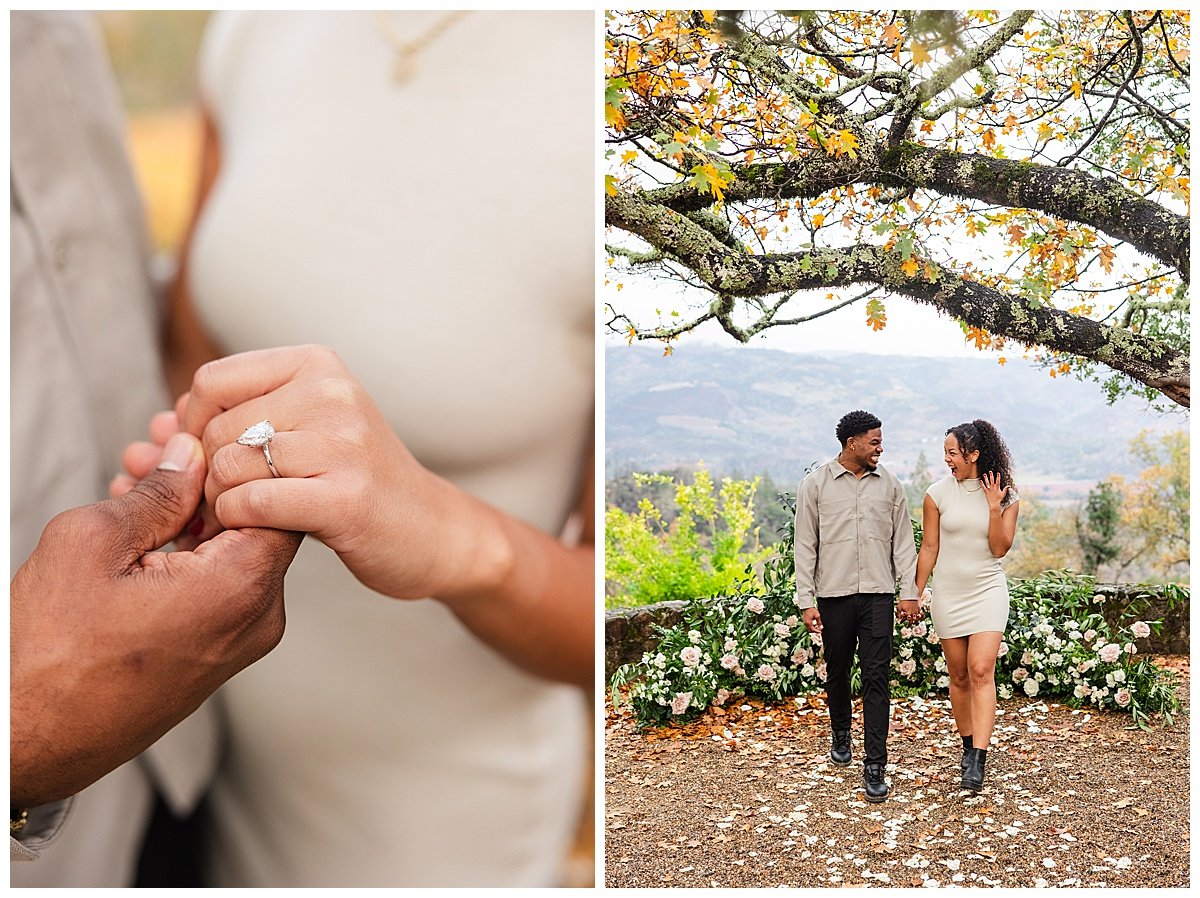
[[904, 546], [807, 543]]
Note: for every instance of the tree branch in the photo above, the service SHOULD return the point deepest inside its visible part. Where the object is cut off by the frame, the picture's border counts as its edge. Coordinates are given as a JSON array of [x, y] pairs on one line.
[[730, 273]]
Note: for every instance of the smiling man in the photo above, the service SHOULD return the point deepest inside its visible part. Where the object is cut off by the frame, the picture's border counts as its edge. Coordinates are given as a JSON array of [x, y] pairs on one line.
[[854, 541]]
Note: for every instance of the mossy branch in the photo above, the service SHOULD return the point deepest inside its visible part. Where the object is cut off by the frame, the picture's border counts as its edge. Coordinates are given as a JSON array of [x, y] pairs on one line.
[[732, 273]]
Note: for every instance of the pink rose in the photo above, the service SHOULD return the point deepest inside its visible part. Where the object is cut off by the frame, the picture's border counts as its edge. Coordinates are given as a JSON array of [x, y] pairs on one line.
[[690, 656], [1110, 653], [907, 667], [766, 672], [1141, 629], [755, 605], [1123, 697], [800, 657], [681, 701], [729, 662]]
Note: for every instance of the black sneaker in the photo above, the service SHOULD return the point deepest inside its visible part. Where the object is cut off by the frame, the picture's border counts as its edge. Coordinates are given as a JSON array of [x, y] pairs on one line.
[[840, 753], [874, 784]]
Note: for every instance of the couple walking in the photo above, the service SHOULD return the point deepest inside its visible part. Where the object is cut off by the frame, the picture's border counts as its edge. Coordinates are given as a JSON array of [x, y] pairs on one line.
[[854, 541]]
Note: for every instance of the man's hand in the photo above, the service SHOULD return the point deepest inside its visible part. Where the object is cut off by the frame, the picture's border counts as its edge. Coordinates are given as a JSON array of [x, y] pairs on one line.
[[812, 619], [112, 644], [909, 610]]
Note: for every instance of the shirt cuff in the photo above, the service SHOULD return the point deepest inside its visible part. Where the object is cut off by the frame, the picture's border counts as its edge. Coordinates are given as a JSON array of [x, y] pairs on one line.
[[44, 824]]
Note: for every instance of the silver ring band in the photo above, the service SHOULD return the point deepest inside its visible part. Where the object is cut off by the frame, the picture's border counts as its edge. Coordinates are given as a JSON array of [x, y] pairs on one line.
[[270, 464]]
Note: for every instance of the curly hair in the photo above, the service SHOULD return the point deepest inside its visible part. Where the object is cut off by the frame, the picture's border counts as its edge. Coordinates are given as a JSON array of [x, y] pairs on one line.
[[854, 423], [993, 454]]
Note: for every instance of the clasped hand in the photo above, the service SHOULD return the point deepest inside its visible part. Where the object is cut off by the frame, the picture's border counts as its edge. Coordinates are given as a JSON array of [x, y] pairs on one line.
[[345, 477]]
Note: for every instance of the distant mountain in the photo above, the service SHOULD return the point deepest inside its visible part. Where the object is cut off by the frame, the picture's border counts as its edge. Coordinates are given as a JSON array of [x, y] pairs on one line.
[[743, 410]]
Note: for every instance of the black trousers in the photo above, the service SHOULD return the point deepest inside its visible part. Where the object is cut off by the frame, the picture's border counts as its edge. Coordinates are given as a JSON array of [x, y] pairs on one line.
[[864, 620]]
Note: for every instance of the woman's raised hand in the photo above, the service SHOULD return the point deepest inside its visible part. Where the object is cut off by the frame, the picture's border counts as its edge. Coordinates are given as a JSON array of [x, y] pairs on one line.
[[993, 491]]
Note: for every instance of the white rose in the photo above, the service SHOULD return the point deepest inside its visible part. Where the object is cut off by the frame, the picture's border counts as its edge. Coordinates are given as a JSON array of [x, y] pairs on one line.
[[729, 662], [1141, 629], [782, 630], [694, 637], [1110, 653], [1031, 688], [690, 656], [755, 605]]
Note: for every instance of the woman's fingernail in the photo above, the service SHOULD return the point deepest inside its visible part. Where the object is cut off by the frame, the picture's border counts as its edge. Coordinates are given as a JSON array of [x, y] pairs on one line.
[[181, 450]]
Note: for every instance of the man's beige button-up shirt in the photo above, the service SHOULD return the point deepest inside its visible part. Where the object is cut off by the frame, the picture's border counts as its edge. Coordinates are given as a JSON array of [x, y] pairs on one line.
[[853, 534]]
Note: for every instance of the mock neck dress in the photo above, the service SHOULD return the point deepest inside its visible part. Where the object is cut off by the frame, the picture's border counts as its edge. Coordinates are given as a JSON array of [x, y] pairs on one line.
[[438, 234], [970, 592]]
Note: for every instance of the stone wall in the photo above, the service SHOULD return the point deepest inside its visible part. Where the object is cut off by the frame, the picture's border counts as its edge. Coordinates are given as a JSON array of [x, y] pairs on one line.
[[630, 632]]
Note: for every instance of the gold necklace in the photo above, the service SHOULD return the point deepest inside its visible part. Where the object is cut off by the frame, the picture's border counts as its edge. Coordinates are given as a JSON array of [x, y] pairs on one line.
[[408, 52], [977, 489]]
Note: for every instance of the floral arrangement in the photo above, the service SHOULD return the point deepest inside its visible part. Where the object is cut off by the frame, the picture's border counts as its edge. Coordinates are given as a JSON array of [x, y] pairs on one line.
[[1058, 645]]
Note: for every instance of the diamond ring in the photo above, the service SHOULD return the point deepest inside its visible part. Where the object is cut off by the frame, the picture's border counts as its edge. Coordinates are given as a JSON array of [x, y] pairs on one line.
[[259, 436]]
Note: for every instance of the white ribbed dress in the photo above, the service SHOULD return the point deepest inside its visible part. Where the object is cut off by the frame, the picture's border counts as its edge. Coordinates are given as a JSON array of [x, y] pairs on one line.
[[970, 593], [439, 236]]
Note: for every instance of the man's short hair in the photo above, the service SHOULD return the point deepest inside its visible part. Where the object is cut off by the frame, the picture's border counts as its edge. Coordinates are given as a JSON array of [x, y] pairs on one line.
[[855, 423]]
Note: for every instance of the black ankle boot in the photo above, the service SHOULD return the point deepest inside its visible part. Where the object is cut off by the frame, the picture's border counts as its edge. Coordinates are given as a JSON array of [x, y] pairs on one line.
[[967, 746], [840, 753], [973, 773], [874, 784]]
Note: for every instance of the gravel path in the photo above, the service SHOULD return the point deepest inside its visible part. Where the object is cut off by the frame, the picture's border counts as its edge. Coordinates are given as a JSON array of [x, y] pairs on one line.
[[747, 797]]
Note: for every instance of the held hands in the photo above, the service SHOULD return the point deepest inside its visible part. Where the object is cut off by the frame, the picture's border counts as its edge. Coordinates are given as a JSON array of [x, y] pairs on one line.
[[112, 644], [345, 477], [993, 491], [909, 610]]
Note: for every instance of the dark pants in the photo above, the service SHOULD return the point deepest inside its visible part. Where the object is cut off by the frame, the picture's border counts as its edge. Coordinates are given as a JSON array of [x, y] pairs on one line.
[[865, 619]]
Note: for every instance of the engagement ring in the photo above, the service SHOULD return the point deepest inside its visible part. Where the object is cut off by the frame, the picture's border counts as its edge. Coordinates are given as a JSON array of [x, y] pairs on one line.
[[259, 436]]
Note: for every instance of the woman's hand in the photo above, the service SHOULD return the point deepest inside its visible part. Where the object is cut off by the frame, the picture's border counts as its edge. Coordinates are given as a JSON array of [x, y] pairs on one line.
[[993, 491], [345, 476]]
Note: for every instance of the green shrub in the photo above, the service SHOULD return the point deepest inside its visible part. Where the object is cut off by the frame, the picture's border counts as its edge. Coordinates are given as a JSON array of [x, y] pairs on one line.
[[708, 549]]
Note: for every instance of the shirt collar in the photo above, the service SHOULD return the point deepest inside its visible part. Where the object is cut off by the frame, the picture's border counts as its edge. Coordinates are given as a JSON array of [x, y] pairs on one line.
[[839, 469]]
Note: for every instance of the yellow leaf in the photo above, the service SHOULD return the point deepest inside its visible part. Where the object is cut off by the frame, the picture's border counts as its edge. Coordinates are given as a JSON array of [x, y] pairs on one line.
[[1107, 254], [818, 220], [989, 138], [1077, 89], [920, 55], [709, 15], [628, 156], [910, 266], [610, 185], [892, 34]]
